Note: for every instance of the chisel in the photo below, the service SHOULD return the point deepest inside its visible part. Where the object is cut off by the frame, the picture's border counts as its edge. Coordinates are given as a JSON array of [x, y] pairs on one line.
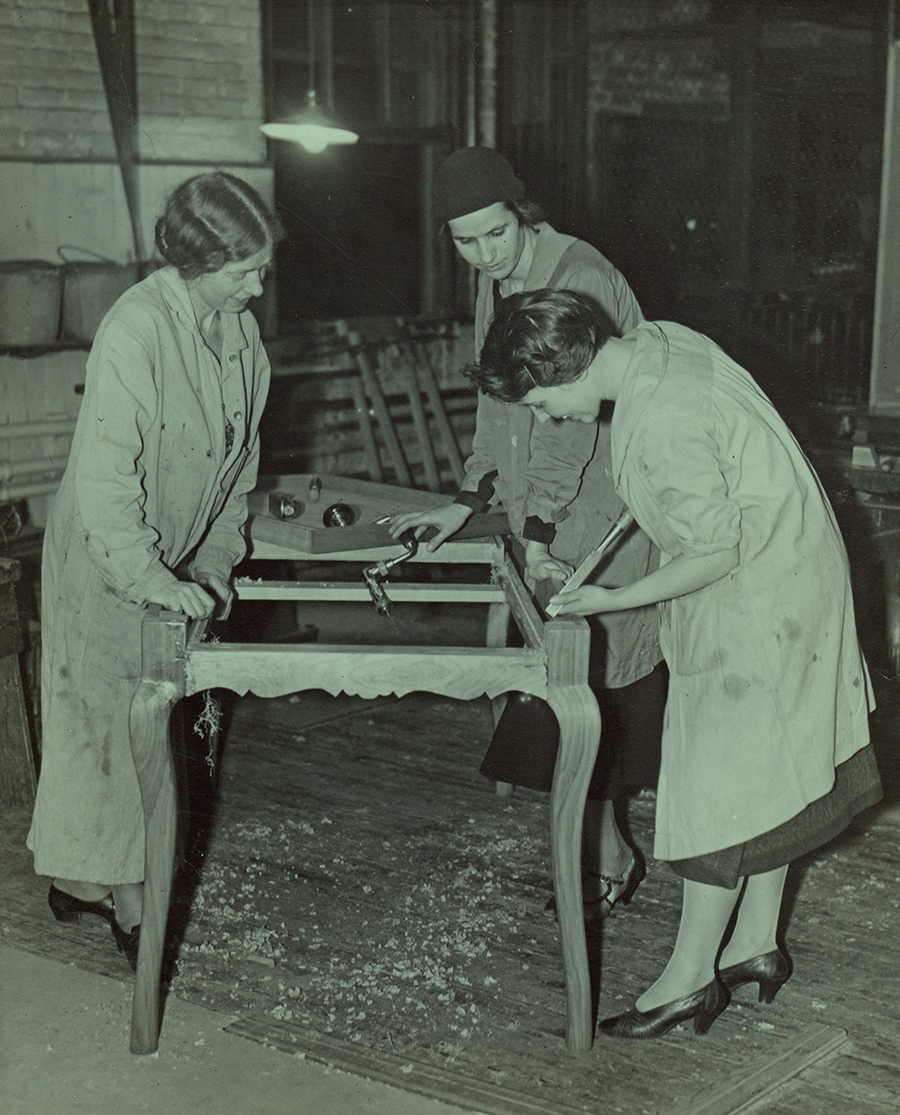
[[581, 574]]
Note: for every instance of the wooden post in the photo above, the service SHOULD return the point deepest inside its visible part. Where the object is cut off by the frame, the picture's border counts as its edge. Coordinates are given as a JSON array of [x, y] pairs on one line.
[[575, 706], [163, 647], [497, 629], [17, 776]]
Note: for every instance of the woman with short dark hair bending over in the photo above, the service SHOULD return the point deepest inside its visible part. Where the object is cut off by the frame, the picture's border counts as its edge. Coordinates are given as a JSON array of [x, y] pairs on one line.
[[765, 752]]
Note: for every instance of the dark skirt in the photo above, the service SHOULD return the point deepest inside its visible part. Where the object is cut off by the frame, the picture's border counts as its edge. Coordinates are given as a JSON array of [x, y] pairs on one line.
[[526, 740], [857, 786]]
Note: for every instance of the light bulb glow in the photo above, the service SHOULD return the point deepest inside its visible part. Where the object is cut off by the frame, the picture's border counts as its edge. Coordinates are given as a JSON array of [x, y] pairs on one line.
[[313, 135]]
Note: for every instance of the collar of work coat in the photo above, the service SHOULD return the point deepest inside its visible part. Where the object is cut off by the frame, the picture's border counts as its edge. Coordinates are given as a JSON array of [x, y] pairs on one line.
[[174, 292], [549, 248]]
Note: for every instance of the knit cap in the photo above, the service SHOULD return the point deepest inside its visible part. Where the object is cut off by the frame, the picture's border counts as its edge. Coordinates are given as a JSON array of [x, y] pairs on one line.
[[473, 178]]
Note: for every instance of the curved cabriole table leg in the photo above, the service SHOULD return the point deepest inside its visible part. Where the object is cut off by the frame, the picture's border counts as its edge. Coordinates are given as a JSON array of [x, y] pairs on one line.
[[576, 710], [151, 709], [553, 663]]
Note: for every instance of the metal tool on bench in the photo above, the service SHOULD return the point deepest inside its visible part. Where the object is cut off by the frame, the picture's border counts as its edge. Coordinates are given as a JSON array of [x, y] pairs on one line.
[[615, 534], [282, 506], [375, 575]]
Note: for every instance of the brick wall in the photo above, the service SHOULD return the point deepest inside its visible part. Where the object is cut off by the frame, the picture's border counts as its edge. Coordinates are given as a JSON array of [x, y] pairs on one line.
[[199, 81], [200, 84], [53, 105], [200, 103]]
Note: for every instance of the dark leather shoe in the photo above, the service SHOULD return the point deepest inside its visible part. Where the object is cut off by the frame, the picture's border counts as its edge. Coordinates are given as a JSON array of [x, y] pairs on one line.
[[771, 970], [617, 891], [704, 1006], [68, 908], [127, 943]]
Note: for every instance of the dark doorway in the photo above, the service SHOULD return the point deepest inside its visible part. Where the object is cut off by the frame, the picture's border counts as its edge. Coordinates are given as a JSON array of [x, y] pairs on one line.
[[352, 218]]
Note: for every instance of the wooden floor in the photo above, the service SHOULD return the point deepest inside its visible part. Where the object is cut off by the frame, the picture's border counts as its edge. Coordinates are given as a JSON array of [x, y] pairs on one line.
[[355, 892]]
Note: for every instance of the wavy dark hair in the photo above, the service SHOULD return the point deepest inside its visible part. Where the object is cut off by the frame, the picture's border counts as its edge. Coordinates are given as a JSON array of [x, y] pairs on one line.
[[528, 211], [539, 338], [213, 219]]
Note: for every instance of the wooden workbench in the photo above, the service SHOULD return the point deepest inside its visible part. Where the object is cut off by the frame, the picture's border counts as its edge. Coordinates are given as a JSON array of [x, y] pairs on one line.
[[552, 665]]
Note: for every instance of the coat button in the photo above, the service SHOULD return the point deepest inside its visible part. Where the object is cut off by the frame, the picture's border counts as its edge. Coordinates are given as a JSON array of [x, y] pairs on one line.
[[238, 415], [233, 357]]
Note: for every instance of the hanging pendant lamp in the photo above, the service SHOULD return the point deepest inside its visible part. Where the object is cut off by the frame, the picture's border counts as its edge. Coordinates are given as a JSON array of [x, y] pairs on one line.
[[311, 128]]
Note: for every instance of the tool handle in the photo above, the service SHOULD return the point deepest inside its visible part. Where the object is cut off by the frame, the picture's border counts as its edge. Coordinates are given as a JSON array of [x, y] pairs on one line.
[[581, 574]]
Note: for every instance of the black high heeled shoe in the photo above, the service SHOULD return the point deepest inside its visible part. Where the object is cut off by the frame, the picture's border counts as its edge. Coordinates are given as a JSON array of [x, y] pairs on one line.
[[704, 1006], [127, 943], [771, 970], [619, 889], [68, 908]]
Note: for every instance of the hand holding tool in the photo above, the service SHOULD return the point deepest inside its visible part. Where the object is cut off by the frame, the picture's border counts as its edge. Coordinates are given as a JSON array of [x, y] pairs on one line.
[[615, 534], [375, 575]]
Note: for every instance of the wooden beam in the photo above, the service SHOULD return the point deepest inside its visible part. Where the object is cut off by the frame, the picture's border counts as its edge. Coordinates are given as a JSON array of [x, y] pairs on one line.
[[163, 642], [746, 1090], [18, 781], [273, 669], [340, 590], [112, 22], [575, 707], [322, 540]]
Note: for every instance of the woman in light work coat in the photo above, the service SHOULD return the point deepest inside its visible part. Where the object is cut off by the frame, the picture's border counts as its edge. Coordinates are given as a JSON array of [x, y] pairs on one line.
[[766, 751], [536, 472], [164, 453]]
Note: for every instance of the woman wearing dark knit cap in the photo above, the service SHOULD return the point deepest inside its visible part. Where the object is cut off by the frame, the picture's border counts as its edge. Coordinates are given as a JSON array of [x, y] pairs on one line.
[[536, 473]]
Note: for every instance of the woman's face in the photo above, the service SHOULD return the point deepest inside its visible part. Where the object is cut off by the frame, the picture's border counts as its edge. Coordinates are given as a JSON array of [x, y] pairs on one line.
[[490, 239], [229, 289], [573, 402]]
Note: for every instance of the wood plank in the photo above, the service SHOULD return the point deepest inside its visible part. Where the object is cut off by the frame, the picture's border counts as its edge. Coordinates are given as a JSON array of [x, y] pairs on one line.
[[399, 1071], [163, 639], [321, 540], [271, 670], [521, 605], [474, 551], [420, 424], [749, 1089], [341, 590], [307, 533], [377, 402], [18, 781]]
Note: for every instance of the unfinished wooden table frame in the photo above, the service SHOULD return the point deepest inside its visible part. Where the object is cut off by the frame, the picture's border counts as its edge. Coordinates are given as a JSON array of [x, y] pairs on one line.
[[551, 665]]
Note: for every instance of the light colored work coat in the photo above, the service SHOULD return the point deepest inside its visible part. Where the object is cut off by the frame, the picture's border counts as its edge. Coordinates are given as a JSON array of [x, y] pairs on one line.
[[542, 467], [768, 688], [148, 483]]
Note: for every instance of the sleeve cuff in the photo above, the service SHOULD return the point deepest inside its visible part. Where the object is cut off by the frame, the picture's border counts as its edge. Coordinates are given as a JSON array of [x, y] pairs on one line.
[[212, 559], [143, 589], [470, 499], [536, 530], [481, 497]]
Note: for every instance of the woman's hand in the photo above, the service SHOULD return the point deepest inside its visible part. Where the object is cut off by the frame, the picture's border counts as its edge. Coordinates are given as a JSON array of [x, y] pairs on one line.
[[222, 590], [587, 600], [447, 519], [187, 597], [678, 577], [540, 565]]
